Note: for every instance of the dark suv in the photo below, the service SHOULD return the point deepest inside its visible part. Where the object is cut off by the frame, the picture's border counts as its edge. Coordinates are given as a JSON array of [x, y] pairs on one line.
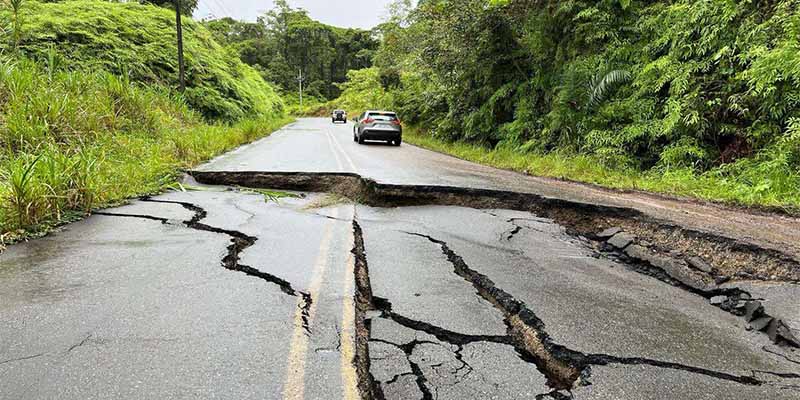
[[339, 115], [378, 125]]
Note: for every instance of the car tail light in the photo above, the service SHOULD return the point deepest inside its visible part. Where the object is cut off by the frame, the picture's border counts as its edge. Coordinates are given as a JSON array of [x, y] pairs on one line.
[[369, 121], [397, 122]]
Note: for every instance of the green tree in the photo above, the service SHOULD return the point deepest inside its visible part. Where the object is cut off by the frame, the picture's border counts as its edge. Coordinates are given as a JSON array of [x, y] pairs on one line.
[[285, 41]]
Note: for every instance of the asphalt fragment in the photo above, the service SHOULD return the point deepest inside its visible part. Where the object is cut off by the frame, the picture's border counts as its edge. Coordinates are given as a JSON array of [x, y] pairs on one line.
[[416, 371]]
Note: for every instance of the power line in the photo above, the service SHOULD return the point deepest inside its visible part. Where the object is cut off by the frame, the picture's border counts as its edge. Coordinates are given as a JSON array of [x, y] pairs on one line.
[[213, 10], [225, 9], [217, 9]]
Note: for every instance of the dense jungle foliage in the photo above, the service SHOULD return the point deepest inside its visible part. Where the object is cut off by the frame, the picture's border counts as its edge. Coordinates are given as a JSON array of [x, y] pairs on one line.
[[285, 41], [698, 97], [88, 111]]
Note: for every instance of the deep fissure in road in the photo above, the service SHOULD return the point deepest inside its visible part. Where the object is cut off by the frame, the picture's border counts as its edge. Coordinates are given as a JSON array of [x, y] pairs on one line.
[[580, 220], [367, 385], [563, 367]]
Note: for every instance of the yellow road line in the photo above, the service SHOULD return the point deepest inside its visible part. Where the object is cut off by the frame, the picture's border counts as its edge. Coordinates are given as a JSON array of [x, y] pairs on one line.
[[333, 149], [346, 157], [349, 375], [295, 376]]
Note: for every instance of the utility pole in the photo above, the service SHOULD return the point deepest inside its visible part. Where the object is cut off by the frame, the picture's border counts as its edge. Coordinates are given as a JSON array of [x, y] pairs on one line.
[[181, 69], [300, 82]]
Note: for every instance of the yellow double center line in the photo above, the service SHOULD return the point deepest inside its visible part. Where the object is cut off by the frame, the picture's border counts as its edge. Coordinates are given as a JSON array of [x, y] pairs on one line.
[[295, 382], [348, 352]]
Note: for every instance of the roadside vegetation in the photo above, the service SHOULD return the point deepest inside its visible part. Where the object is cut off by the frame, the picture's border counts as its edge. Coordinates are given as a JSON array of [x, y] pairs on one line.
[[88, 116], [688, 97]]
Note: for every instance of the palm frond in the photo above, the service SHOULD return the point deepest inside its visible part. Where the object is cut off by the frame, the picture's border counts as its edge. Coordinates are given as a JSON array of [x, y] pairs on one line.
[[602, 85]]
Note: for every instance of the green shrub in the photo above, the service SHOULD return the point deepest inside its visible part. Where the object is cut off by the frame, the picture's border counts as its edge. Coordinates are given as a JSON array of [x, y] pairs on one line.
[[74, 141]]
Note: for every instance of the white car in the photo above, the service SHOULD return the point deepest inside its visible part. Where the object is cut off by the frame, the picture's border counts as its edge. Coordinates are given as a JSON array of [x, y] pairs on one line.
[[339, 115]]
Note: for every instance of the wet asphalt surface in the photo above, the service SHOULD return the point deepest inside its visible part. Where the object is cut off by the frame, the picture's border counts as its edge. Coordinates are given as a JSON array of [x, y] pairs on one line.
[[220, 293]]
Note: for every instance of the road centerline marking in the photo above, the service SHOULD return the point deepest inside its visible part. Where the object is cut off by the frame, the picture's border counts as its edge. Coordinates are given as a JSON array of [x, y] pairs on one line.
[[333, 150], [341, 149], [298, 351], [349, 374]]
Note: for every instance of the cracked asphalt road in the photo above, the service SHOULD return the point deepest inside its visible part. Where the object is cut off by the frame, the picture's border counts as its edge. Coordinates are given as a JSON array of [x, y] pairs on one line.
[[218, 293]]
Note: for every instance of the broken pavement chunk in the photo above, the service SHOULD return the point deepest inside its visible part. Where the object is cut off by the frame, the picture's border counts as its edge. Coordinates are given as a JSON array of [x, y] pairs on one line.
[[752, 310], [779, 331], [760, 323], [700, 264], [621, 240], [609, 232], [718, 300], [637, 252], [721, 279]]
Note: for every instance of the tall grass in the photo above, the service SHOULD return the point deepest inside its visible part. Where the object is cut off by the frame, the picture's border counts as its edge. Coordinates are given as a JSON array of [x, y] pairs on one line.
[[73, 141]]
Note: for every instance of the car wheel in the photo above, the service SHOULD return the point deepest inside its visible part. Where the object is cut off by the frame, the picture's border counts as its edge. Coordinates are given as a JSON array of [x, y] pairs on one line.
[[355, 139], [360, 140], [398, 142]]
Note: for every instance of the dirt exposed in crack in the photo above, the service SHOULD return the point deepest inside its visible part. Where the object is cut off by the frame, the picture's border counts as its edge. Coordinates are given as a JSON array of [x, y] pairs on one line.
[[730, 257], [367, 386], [527, 335], [564, 368]]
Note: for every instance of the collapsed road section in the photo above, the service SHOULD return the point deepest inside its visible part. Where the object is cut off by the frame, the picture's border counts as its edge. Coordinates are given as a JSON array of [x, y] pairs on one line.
[[730, 257]]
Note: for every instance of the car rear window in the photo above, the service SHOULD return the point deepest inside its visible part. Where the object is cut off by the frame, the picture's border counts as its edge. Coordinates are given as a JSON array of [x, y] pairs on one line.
[[383, 116]]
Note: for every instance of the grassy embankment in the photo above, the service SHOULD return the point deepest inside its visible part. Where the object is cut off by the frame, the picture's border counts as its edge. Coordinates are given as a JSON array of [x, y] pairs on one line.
[[87, 118], [728, 186]]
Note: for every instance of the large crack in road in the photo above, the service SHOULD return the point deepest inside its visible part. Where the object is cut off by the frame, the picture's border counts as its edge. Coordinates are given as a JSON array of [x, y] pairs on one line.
[[563, 367], [730, 254], [231, 260]]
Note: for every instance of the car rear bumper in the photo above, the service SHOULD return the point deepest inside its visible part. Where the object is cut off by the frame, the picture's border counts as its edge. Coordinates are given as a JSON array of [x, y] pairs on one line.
[[381, 134], [342, 118]]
